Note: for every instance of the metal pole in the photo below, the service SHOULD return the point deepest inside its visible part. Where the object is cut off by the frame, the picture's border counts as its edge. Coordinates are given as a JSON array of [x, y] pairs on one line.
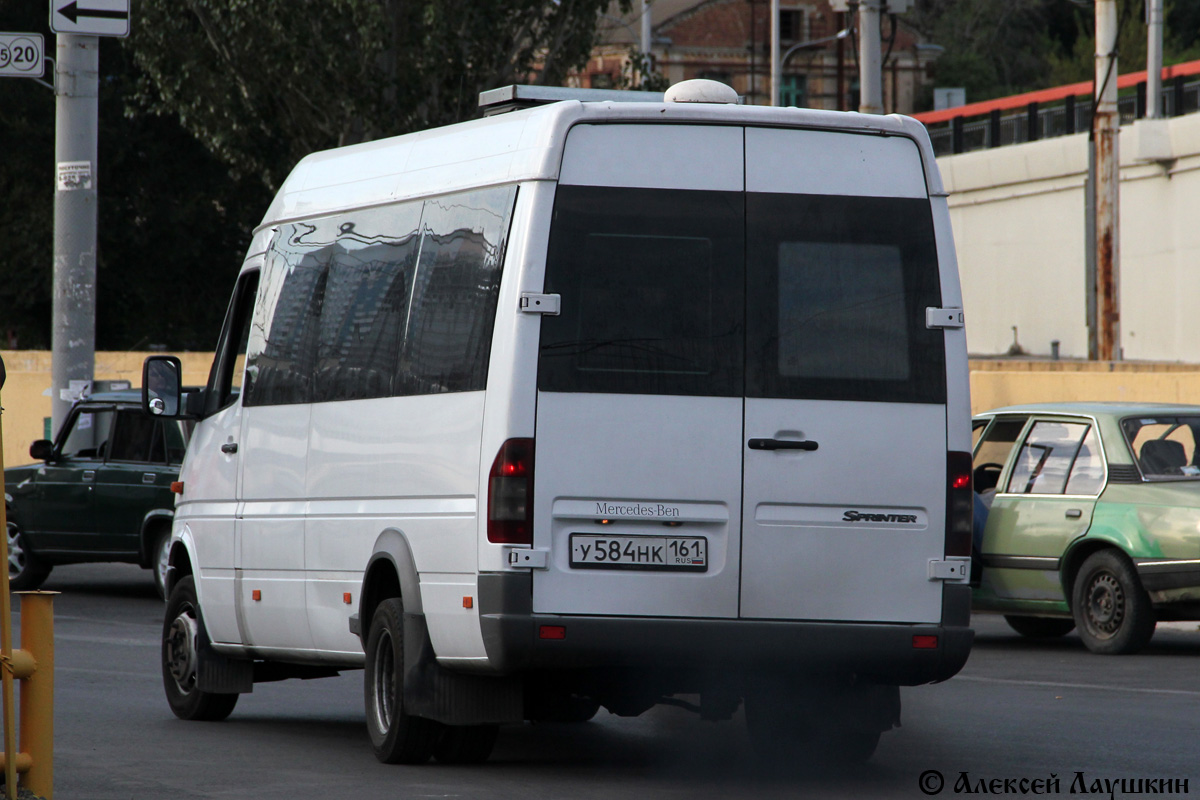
[[647, 41], [1154, 58], [870, 59], [1106, 127], [776, 61], [73, 341]]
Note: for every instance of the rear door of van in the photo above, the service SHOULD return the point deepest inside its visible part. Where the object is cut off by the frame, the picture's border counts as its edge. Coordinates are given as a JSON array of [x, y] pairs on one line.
[[845, 459], [741, 411]]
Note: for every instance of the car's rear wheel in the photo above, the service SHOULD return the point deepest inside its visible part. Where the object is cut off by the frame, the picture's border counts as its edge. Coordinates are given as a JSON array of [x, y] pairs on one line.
[[1040, 627], [397, 736], [183, 633], [161, 556], [25, 571], [1112, 611]]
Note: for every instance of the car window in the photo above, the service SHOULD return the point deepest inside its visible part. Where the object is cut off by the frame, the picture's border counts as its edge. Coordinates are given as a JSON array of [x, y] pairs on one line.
[[991, 451], [88, 433], [132, 438], [176, 433], [1046, 457], [1164, 446], [1087, 475]]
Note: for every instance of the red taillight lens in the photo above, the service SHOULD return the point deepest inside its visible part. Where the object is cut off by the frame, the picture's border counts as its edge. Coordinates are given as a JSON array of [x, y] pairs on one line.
[[960, 504], [925, 642], [510, 494]]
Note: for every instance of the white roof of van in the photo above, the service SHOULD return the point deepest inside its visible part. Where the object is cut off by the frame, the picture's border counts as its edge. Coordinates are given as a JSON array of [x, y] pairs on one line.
[[521, 146]]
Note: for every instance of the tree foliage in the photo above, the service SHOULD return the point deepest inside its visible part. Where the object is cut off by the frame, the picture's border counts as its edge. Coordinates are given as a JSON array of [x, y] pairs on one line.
[[263, 83]]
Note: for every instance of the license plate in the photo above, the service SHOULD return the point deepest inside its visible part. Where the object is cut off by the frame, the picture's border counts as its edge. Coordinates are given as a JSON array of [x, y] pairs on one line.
[[677, 553]]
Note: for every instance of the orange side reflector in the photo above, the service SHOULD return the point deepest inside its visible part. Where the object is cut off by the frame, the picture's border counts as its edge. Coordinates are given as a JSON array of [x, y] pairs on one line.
[[552, 632], [177, 487], [925, 642], [468, 602], [256, 594], [346, 598]]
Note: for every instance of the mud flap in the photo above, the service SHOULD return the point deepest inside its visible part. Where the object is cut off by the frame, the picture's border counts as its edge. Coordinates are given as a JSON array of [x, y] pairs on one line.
[[453, 698]]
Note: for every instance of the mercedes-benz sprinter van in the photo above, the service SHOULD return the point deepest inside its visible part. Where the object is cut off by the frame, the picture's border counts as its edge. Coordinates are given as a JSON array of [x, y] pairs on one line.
[[592, 403]]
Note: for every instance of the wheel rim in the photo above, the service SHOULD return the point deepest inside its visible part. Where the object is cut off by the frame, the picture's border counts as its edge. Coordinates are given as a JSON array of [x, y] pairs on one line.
[[16, 552], [384, 696], [180, 649], [1105, 605]]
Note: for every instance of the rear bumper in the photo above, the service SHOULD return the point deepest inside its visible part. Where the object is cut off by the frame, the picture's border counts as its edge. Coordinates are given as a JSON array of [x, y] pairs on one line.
[[878, 652]]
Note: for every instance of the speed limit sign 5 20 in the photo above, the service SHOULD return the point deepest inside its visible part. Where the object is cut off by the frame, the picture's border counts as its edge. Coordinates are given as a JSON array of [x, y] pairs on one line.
[[21, 55]]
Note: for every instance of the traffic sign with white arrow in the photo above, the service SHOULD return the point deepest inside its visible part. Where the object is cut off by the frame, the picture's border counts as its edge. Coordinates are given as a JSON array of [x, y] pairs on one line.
[[90, 17]]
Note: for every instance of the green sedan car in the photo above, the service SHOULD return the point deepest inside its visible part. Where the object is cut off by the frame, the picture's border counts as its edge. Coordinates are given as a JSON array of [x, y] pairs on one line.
[[101, 491], [1093, 519]]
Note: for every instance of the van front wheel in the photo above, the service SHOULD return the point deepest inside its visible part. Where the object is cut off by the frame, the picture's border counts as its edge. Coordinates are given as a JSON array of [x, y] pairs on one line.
[[183, 632], [397, 737]]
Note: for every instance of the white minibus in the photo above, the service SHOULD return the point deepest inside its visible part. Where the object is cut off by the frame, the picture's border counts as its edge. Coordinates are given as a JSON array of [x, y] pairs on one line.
[[588, 403]]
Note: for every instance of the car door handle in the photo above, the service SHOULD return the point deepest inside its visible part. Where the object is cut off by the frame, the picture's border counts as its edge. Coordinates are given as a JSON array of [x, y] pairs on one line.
[[781, 444], [1074, 513], [148, 477], [229, 448], [89, 474]]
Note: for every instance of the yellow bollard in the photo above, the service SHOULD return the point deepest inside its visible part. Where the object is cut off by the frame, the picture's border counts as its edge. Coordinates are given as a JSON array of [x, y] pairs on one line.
[[37, 691], [6, 653]]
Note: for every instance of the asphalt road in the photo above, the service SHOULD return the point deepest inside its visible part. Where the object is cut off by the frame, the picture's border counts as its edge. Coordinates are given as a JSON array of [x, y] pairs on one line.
[[1019, 710]]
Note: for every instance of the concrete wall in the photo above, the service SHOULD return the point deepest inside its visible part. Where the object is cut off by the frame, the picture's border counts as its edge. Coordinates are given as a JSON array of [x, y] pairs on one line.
[[1018, 217]]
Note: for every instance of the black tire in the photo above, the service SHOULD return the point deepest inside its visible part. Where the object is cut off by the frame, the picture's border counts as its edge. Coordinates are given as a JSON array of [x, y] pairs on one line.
[[398, 738], [1040, 627], [25, 571], [465, 744], [160, 552], [1112, 611], [183, 632]]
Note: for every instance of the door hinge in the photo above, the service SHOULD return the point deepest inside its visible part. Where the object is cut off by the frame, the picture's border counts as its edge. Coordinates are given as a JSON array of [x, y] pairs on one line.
[[533, 303], [526, 558], [957, 570], [943, 318]]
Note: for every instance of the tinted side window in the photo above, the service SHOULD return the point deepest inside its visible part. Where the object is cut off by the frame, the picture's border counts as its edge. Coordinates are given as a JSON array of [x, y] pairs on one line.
[[87, 434], [652, 289], [448, 332], [838, 288], [381, 302], [133, 437], [225, 379]]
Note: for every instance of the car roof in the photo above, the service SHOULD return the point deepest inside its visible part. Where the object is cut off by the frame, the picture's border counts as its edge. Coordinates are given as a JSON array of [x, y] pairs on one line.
[[1096, 408], [123, 396]]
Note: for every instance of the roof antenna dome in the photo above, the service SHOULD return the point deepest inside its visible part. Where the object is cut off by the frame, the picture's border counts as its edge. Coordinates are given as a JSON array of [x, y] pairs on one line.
[[701, 91]]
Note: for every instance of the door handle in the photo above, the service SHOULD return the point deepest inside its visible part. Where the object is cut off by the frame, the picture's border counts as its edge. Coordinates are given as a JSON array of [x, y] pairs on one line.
[[89, 474], [781, 444], [229, 448], [1074, 513]]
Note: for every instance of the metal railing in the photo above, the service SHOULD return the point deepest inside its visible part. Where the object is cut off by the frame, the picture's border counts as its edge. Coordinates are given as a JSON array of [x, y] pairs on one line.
[[1071, 115]]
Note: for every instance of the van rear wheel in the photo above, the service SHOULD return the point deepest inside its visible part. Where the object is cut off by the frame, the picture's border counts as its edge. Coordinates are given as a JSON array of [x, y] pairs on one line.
[[398, 737]]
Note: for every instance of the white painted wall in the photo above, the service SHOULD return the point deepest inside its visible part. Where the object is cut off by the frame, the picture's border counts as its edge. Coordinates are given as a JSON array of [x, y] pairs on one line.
[[1018, 217]]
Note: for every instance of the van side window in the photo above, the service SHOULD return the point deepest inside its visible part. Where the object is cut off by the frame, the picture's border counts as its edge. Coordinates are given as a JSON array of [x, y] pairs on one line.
[[652, 284], [225, 379], [382, 302], [838, 288]]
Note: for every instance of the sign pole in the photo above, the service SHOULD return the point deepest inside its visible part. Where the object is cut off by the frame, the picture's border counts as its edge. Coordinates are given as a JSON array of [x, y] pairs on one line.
[[73, 341]]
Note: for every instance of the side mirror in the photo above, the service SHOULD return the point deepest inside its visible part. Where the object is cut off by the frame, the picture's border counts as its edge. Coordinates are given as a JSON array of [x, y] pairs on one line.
[[161, 386], [42, 450]]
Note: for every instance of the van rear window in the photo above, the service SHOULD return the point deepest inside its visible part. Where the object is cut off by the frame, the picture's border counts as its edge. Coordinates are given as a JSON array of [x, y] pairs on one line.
[[651, 289], [725, 294]]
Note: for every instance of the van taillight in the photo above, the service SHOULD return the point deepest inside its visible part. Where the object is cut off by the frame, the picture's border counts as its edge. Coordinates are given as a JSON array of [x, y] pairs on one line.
[[960, 504], [510, 494]]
